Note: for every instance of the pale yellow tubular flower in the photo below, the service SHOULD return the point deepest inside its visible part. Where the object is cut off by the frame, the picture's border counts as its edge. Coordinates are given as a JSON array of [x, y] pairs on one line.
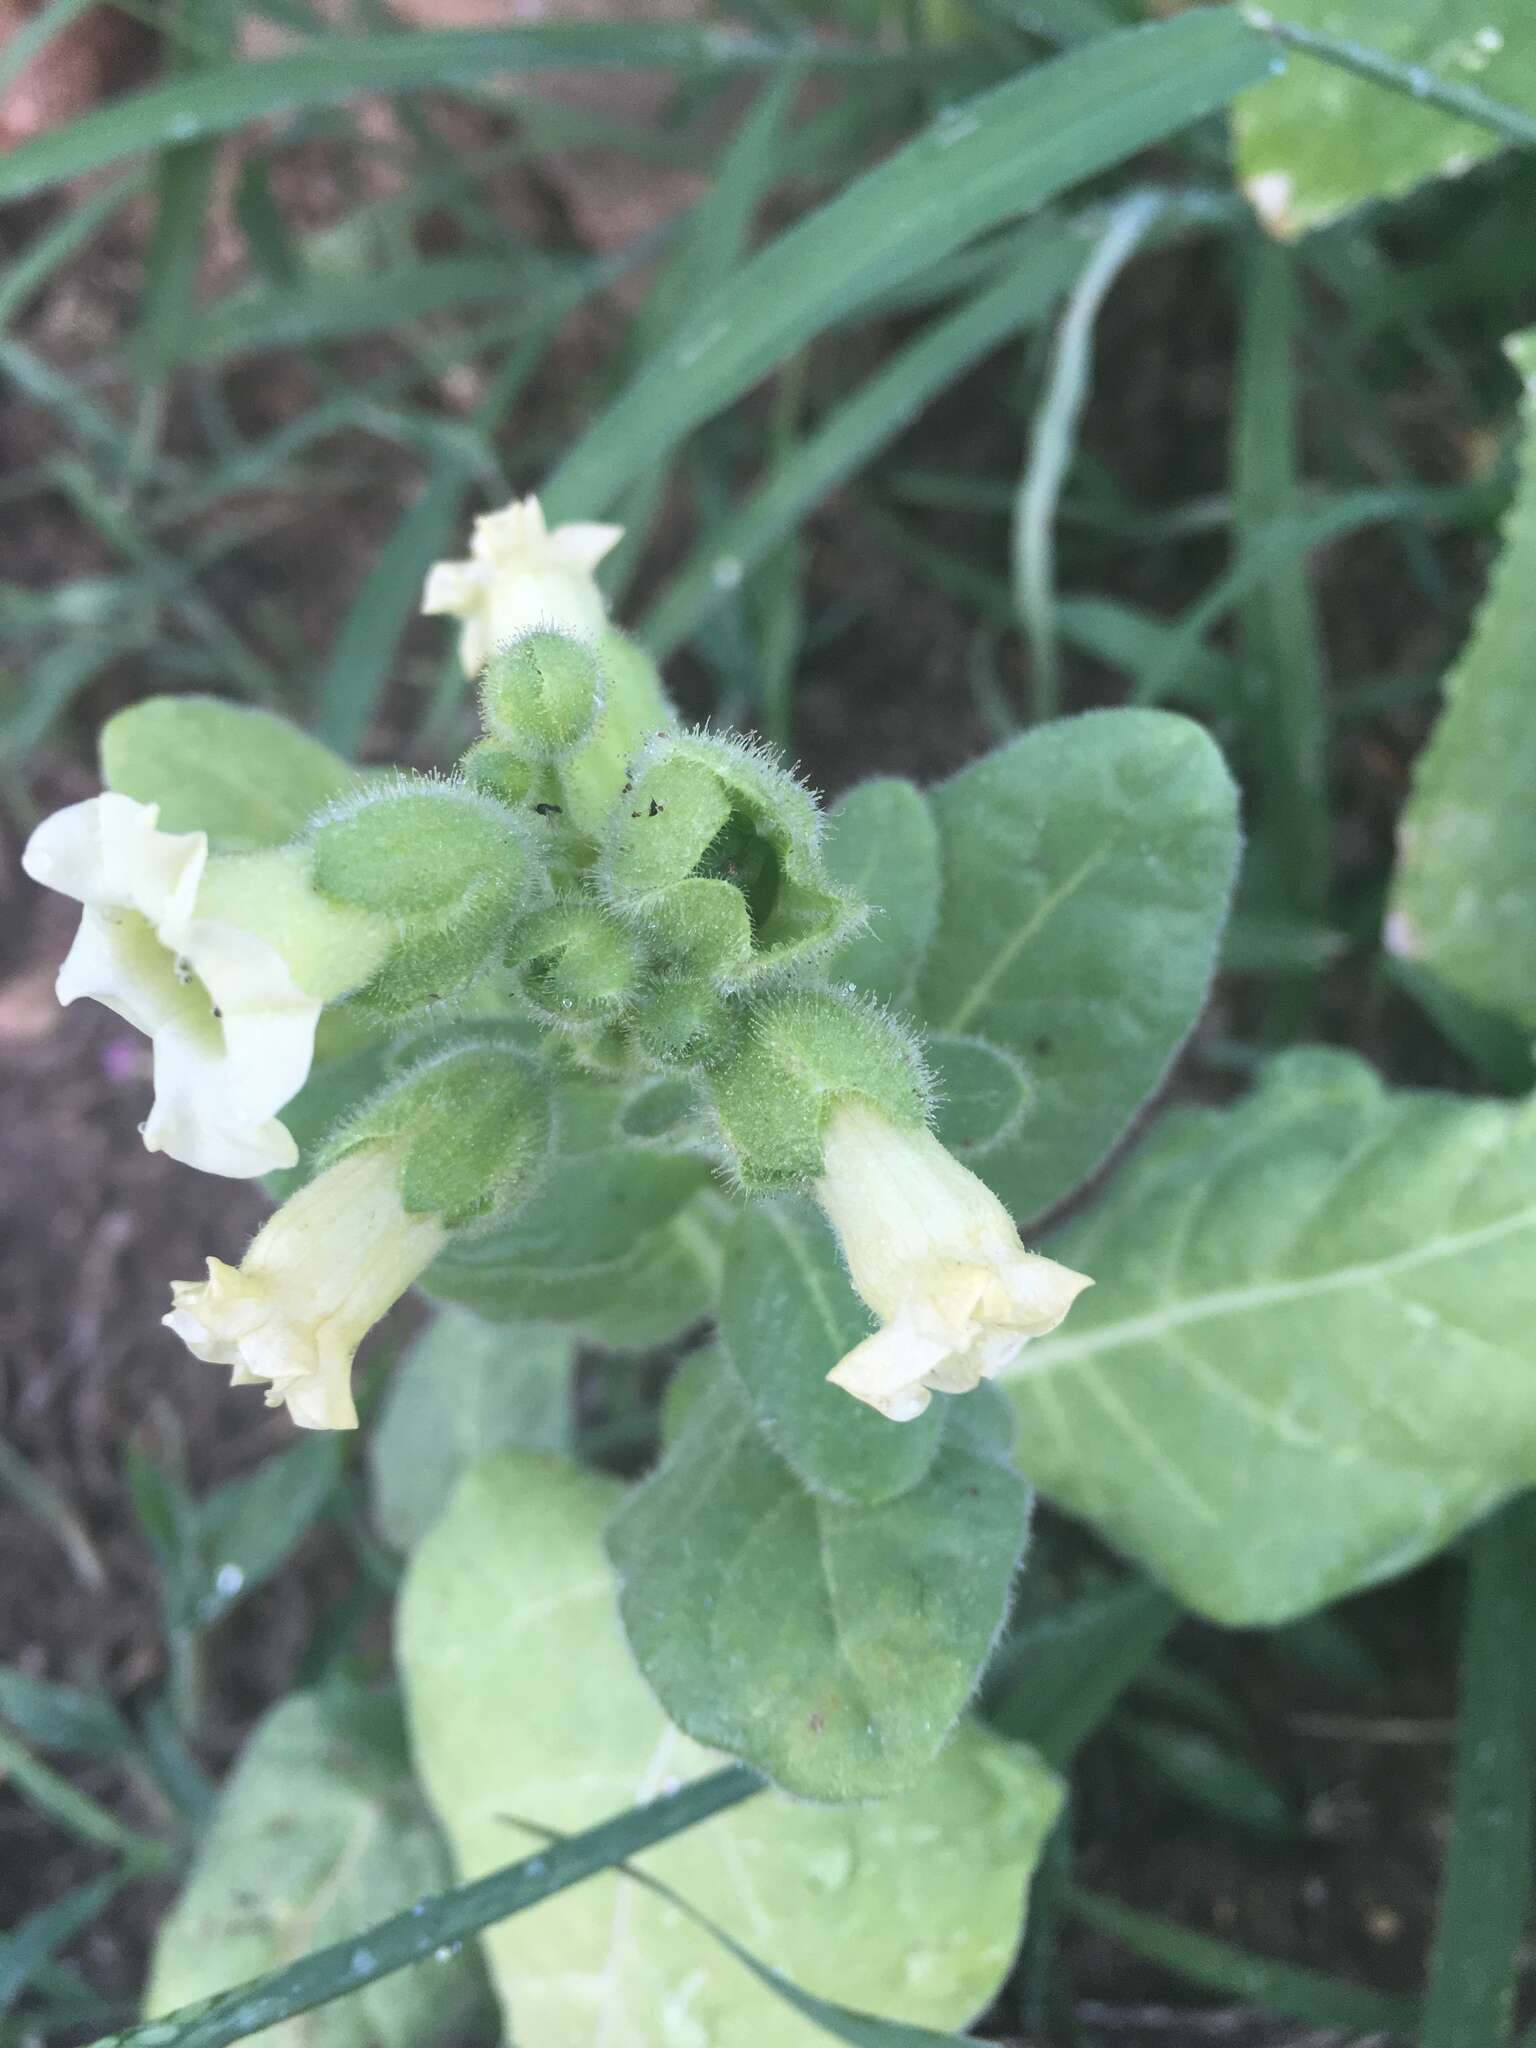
[[522, 575], [319, 1274], [225, 963], [935, 1255]]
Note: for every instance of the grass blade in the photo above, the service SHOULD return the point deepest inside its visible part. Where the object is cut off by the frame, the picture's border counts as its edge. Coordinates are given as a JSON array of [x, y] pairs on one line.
[[230, 96], [413, 1936], [27, 1946], [1285, 1988], [857, 430], [1485, 1898], [1059, 1673], [66, 238], [348, 693], [1279, 627], [984, 161], [1053, 439], [72, 1808]]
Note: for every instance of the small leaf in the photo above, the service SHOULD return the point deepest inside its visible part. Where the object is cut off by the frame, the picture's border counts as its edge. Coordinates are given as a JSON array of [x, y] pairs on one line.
[[318, 1833], [1462, 903], [1309, 1358], [1087, 870], [983, 1093], [525, 1705], [833, 1647], [788, 1313], [1316, 141], [1061, 1670], [51, 1716], [882, 841], [244, 777], [465, 1388]]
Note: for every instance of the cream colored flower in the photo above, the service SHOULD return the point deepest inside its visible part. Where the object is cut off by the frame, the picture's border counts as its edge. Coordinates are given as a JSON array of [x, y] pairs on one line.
[[521, 576], [935, 1255], [224, 963], [318, 1276]]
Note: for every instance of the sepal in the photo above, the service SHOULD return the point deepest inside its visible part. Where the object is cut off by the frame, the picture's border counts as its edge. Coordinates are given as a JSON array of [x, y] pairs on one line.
[[798, 1056]]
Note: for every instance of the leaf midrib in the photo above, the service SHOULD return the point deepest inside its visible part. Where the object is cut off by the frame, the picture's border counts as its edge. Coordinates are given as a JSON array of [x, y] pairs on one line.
[[1051, 1354]]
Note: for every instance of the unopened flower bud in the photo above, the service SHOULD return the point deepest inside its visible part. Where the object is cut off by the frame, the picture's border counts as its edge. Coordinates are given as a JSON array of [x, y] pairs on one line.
[[498, 770], [519, 576], [542, 693], [678, 1022], [578, 963], [448, 866]]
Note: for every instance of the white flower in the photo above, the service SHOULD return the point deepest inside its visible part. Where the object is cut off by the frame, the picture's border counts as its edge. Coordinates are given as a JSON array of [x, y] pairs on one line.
[[318, 1276], [175, 943], [520, 576], [934, 1253]]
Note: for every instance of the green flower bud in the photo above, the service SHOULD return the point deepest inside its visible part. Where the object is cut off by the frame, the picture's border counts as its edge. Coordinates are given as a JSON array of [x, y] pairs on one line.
[[578, 963], [496, 768], [449, 868], [682, 1023], [797, 1059], [716, 850], [471, 1122], [542, 693], [635, 711]]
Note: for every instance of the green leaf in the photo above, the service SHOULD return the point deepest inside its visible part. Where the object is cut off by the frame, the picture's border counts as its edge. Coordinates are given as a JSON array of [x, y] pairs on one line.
[[1087, 871], [667, 1279], [244, 777], [1316, 141], [881, 840], [1462, 902], [833, 1647], [465, 1388], [983, 161], [525, 1705], [318, 1832], [788, 1313], [983, 1093], [1308, 1360]]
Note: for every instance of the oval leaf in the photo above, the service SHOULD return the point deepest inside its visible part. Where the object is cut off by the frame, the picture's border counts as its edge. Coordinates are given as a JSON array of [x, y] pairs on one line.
[[526, 1706], [1309, 1359], [1088, 867], [833, 1647]]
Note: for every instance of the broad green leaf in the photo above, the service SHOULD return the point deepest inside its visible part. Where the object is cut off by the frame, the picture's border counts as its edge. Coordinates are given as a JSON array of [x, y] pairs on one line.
[[1087, 870], [881, 840], [983, 161], [1316, 141], [465, 1388], [1464, 898], [788, 1313], [833, 1647], [596, 1206], [318, 1832], [244, 777], [525, 1705], [1309, 1358], [668, 1279]]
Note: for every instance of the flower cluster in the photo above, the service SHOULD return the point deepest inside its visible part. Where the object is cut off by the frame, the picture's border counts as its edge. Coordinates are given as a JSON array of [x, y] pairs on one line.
[[593, 891]]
